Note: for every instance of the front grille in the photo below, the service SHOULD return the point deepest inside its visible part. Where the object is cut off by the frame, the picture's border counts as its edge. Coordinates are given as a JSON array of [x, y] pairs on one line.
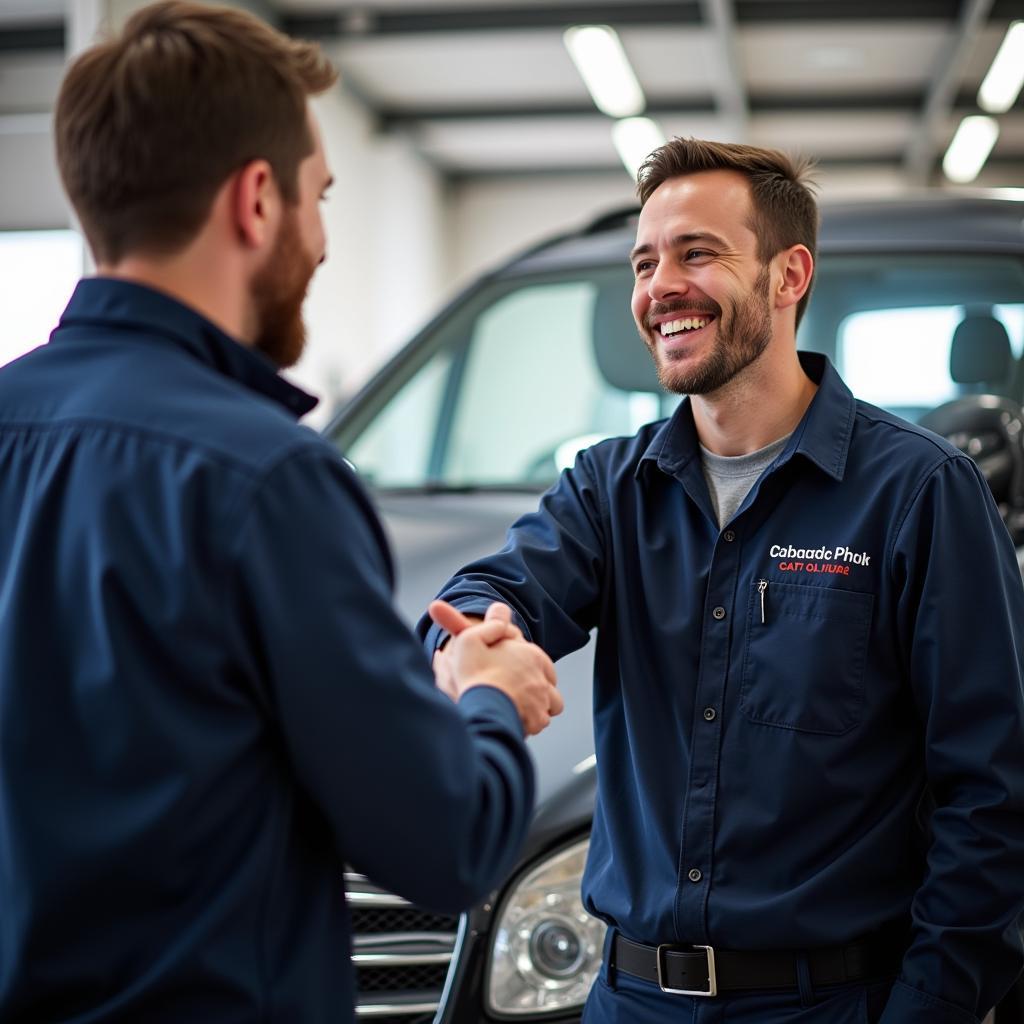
[[375, 921], [401, 955], [402, 979]]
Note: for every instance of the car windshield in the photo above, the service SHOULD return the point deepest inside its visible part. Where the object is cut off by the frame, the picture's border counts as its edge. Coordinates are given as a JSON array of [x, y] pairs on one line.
[[504, 391]]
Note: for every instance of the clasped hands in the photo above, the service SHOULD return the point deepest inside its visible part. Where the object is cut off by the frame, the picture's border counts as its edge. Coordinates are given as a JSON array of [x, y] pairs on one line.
[[493, 652]]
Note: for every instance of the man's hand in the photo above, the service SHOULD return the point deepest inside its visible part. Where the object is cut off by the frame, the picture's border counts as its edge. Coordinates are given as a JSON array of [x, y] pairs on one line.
[[449, 618], [493, 653]]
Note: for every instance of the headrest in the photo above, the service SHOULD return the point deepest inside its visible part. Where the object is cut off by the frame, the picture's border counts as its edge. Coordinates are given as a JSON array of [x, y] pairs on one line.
[[980, 352], [620, 353]]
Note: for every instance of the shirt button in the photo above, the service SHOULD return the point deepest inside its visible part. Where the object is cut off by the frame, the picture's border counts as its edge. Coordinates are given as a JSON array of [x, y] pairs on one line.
[[695, 875], [709, 714], [719, 613], [729, 536]]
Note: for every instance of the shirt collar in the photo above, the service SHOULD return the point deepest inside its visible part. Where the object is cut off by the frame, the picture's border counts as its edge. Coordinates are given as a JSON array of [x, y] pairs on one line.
[[822, 436], [114, 303]]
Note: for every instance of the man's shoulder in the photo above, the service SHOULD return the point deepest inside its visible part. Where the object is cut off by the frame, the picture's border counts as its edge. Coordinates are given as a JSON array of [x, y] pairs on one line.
[[907, 443], [156, 393]]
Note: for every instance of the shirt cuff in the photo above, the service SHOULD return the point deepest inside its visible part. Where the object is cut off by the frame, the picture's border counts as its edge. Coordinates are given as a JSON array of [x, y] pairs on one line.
[[435, 636], [909, 1005], [490, 702]]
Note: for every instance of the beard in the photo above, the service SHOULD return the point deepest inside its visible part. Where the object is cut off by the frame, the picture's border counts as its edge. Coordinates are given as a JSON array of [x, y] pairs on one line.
[[739, 341], [278, 292]]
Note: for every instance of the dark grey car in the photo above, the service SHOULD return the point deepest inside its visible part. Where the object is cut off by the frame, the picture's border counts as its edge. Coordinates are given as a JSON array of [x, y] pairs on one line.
[[920, 305]]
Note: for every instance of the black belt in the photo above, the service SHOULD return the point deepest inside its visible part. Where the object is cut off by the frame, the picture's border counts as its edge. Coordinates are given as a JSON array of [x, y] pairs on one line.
[[704, 971]]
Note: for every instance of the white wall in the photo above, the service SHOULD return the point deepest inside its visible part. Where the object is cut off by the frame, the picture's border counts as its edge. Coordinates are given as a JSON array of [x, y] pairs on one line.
[[386, 263], [493, 218]]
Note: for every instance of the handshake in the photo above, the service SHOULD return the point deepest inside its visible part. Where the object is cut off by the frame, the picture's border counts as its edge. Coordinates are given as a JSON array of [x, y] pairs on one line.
[[493, 652]]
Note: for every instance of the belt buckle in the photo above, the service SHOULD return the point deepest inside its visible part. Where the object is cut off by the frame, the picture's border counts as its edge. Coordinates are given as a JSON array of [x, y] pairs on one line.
[[712, 989]]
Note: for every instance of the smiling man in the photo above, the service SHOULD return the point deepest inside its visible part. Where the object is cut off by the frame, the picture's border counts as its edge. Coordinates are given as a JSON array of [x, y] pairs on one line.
[[193, 740], [810, 635]]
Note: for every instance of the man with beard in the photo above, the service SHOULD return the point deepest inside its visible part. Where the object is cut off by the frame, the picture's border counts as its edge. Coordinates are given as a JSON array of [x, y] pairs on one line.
[[810, 636], [194, 739]]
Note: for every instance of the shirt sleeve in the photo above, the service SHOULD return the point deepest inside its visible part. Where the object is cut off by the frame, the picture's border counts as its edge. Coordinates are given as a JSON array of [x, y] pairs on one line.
[[549, 571], [960, 608], [428, 798]]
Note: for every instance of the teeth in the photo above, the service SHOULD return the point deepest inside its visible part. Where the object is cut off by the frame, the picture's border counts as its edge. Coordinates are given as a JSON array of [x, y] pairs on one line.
[[685, 324]]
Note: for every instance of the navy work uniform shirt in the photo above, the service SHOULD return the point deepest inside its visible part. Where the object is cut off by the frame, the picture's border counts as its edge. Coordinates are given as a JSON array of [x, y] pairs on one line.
[[207, 703], [809, 724]]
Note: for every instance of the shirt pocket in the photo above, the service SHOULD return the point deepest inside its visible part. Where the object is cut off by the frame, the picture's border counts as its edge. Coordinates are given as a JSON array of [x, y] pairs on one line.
[[804, 657]]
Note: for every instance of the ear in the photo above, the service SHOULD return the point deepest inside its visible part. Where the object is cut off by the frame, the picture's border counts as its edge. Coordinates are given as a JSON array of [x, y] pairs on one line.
[[255, 204], [797, 266]]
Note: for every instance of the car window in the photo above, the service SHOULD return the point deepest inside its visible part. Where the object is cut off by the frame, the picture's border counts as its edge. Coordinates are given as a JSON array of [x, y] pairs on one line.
[[913, 346], [395, 449], [508, 399], [531, 385], [508, 386], [889, 325]]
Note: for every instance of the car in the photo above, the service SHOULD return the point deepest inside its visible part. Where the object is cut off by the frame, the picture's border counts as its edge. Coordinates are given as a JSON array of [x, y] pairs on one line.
[[919, 302]]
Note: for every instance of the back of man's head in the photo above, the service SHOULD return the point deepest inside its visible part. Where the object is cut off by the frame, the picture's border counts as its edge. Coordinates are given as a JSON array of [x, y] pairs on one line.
[[784, 209], [151, 123]]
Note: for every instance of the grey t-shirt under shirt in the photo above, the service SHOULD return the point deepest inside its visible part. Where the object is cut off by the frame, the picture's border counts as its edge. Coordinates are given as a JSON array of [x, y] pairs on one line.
[[730, 477]]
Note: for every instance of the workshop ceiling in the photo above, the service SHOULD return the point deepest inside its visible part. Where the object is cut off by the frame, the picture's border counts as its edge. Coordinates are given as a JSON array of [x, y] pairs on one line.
[[486, 87]]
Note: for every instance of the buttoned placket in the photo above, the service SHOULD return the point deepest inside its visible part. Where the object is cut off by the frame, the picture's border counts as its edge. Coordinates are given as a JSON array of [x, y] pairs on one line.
[[697, 840]]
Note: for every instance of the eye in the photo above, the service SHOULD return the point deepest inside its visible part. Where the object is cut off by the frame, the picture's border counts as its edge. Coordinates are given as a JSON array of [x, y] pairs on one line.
[[698, 255], [642, 266]]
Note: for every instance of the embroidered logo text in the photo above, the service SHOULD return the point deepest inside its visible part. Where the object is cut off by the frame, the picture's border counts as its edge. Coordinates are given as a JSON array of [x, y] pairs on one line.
[[836, 561]]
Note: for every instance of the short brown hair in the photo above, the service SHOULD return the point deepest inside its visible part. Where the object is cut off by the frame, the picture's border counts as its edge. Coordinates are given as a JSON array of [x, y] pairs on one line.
[[151, 123], [781, 190]]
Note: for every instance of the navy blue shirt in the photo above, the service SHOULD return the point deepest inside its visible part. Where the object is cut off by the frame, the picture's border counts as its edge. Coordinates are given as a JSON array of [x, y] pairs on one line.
[[207, 703], [809, 724]]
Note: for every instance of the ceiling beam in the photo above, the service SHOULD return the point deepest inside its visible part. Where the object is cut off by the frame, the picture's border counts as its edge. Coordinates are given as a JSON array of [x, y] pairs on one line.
[[901, 102], [366, 21], [32, 38], [1011, 162], [362, 20], [919, 157], [728, 84], [748, 11]]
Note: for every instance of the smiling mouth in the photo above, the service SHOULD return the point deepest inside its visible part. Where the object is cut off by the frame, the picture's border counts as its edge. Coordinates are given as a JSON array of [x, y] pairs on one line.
[[684, 325]]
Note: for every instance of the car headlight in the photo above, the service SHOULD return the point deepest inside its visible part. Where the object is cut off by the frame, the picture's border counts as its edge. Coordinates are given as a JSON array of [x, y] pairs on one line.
[[547, 948]]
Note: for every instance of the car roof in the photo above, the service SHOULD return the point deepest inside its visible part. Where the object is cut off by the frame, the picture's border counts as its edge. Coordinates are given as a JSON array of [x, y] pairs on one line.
[[932, 223]]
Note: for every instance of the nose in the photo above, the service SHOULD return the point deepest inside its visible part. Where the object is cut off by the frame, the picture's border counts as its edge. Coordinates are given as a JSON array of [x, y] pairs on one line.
[[667, 282]]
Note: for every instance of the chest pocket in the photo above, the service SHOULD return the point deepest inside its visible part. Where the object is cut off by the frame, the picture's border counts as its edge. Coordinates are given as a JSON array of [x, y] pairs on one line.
[[803, 665]]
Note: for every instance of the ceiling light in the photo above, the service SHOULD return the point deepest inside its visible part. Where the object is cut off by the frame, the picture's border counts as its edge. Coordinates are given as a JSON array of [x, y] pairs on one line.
[[1003, 82], [605, 69], [635, 139], [970, 148]]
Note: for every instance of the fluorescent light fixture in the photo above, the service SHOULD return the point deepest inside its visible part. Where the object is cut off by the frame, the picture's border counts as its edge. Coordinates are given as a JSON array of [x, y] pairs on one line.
[[1003, 82], [970, 148], [635, 139], [605, 69]]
